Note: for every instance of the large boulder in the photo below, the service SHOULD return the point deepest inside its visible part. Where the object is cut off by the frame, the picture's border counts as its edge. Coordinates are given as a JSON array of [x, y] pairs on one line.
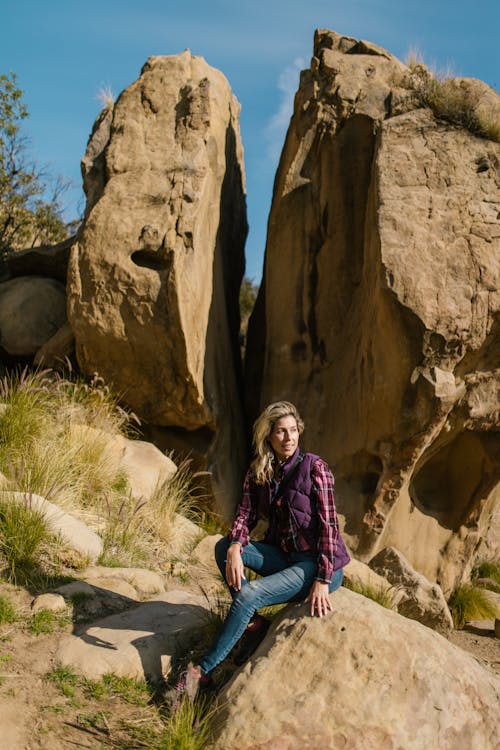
[[362, 677], [384, 234], [32, 310], [153, 280], [419, 598]]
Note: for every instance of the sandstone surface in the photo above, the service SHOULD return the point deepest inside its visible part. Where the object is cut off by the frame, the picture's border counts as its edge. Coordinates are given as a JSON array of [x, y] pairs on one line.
[[384, 239], [419, 598], [32, 309], [153, 280], [138, 643], [362, 677]]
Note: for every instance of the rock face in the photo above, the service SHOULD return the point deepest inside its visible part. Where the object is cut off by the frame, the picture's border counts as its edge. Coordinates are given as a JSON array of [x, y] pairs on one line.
[[32, 309], [363, 677], [153, 280], [384, 235], [421, 600]]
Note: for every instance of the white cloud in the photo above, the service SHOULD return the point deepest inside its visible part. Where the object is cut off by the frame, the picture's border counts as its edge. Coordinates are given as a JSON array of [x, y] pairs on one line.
[[288, 83]]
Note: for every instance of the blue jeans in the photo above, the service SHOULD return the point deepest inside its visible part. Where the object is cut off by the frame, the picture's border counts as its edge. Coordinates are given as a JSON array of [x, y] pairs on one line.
[[288, 577]]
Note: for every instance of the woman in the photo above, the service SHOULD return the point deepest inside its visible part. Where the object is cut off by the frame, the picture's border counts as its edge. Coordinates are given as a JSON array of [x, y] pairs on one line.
[[302, 554]]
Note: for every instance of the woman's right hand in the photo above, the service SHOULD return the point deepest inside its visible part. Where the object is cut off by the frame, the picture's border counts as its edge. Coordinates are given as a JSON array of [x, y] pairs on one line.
[[234, 567]]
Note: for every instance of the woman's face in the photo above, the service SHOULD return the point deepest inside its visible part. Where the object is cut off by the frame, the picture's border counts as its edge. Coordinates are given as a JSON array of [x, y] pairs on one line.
[[284, 437]]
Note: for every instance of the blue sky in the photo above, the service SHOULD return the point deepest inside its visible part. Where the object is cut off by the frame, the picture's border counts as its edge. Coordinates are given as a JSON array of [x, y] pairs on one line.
[[64, 51]]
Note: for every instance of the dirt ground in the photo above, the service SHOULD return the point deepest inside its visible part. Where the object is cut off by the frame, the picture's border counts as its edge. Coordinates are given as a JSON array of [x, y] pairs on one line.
[[35, 715]]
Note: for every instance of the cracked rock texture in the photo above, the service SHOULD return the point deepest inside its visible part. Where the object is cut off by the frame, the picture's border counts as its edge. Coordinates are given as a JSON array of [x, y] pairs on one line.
[[153, 280], [379, 308]]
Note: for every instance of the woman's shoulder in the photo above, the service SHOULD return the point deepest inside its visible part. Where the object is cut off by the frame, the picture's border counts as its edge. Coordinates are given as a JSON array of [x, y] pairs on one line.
[[317, 463]]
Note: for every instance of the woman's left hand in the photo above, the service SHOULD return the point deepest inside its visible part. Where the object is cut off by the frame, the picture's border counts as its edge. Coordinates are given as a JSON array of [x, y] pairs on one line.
[[319, 599]]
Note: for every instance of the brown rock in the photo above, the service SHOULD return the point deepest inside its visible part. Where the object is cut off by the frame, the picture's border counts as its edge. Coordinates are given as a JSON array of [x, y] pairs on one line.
[[45, 260], [420, 599], [361, 677], [57, 350], [153, 281], [384, 234], [32, 309]]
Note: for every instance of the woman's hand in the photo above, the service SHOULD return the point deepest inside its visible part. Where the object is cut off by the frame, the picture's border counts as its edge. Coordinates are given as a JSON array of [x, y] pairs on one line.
[[319, 599], [234, 567]]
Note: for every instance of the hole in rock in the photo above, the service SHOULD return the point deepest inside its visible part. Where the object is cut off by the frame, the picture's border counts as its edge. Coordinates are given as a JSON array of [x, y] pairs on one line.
[[451, 484], [151, 260]]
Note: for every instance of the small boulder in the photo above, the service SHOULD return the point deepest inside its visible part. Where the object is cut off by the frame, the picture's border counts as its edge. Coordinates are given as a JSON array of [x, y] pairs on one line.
[[51, 602], [145, 582], [421, 600], [358, 573], [32, 310]]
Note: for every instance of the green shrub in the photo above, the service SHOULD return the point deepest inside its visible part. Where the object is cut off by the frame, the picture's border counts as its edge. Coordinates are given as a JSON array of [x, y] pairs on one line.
[[470, 603], [8, 612]]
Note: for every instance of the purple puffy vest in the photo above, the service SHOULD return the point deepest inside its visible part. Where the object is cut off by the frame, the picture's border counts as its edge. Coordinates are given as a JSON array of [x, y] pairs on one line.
[[293, 519]]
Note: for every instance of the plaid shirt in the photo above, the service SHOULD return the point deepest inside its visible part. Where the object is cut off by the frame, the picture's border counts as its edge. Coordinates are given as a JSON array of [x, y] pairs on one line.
[[328, 527]]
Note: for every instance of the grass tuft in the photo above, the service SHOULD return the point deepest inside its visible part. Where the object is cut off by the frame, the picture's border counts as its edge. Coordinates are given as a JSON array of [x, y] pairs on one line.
[[470, 603], [451, 99], [185, 728], [23, 534], [8, 612], [382, 596], [65, 679]]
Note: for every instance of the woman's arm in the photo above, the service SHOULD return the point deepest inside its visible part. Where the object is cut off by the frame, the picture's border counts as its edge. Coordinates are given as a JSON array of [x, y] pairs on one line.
[[328, 531], [244, 522]]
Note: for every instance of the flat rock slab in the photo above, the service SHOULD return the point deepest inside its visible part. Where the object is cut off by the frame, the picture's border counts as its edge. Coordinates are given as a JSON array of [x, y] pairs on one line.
[[138, 643]]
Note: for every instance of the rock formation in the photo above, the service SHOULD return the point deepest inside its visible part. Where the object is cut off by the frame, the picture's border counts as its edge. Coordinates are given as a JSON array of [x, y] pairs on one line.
[[379, 308], [153, 279], [420, 599], [362, 677], [32, 310]]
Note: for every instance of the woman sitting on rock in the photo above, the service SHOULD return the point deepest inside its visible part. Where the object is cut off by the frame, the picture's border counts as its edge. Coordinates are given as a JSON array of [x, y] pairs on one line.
[[302, 554]]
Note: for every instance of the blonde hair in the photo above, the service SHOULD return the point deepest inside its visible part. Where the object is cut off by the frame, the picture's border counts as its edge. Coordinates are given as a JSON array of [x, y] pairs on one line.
[[262, 466]]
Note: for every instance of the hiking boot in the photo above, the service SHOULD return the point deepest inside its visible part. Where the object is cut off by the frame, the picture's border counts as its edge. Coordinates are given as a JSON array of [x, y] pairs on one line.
[[192, 683]]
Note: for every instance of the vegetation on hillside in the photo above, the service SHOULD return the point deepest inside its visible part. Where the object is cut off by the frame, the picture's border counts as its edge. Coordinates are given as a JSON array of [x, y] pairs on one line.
[[56, 440], [27, 216]]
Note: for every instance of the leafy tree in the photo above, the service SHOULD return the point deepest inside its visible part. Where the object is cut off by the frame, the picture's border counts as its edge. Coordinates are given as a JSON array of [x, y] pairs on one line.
[[27, 218]]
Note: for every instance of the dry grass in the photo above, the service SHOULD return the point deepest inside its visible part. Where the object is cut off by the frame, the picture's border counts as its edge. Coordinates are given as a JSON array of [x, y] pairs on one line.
[[57, 440], [469, 603], [451, 99]]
